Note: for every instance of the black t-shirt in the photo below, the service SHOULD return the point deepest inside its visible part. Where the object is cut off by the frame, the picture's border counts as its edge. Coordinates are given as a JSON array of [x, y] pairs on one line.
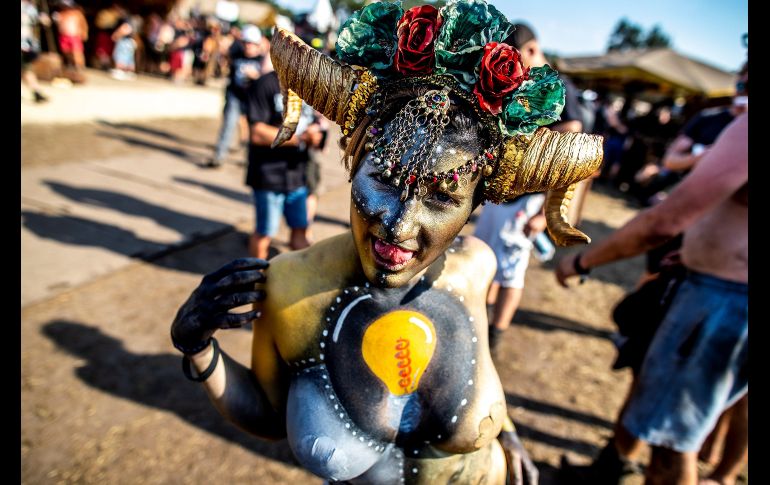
[[239, 81], [282, 168], [705, 127]]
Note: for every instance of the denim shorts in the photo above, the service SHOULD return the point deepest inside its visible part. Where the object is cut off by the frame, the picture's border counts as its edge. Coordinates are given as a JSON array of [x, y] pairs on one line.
[[696, 366], [124, 52], [271, 204]]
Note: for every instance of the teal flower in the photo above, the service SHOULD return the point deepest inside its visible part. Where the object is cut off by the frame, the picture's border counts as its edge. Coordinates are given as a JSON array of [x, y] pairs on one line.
[[538, 101], [368, 38], [469, 25]]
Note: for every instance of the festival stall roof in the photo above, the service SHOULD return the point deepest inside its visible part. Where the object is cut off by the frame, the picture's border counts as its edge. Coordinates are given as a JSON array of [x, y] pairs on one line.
[[669, 70]]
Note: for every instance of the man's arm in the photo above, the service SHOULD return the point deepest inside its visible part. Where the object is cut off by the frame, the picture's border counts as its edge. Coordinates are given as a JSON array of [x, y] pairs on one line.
[[613, 119], [721, 172], [678, 156], [263, 134]]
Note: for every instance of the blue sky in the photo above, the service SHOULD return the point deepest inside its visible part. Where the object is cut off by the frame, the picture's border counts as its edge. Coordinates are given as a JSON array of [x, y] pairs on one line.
[[708, 30]]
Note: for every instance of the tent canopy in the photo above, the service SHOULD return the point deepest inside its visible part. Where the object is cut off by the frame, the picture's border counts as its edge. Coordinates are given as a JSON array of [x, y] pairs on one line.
[[667, 69]]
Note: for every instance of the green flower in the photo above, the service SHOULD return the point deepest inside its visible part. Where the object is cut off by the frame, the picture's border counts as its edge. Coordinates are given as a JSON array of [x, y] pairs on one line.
[[537, 102], [368, 38], [468, 26]]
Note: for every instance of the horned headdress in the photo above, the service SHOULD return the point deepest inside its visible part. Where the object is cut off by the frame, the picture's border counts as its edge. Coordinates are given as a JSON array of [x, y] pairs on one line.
[[457, 50]]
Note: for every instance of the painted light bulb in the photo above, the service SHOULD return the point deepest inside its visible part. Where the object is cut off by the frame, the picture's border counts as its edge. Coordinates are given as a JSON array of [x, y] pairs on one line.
[[398, 348]]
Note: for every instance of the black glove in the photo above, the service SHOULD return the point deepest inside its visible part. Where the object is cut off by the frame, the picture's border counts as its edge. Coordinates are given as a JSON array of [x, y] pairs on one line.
[[521, 470], [207, 309]]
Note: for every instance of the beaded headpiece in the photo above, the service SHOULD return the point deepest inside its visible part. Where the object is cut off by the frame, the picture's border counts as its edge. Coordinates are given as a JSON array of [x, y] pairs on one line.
[[457, 51], [418, 127]]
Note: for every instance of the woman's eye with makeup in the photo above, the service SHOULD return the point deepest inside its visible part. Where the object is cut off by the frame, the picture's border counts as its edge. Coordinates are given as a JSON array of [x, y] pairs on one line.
[[377, 177], [442, 198]]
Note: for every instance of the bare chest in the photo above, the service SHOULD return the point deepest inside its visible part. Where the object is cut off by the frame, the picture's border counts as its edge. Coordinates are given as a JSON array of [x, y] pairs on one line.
[[393, 375]]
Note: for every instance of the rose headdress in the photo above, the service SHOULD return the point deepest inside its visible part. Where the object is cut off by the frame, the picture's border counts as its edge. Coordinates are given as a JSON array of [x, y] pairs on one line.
[[458, 49]]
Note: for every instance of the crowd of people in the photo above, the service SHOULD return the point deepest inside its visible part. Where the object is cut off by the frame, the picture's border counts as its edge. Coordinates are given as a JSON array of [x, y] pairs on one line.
[[193, 47], [642, 151]]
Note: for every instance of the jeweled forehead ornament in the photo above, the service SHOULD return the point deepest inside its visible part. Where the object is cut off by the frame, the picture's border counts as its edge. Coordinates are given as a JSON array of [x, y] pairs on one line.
[[461, 46], [414, 134]]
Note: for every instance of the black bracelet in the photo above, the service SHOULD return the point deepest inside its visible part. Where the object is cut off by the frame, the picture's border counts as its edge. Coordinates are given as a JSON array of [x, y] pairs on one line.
[[579, 269], [209, 370]]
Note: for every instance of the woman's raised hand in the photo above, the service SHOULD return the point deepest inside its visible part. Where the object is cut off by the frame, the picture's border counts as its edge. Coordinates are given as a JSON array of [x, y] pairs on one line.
[[208, 308]]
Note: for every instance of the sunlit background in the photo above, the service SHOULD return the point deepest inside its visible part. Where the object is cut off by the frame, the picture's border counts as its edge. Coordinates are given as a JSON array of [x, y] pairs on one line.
[[709, 30]]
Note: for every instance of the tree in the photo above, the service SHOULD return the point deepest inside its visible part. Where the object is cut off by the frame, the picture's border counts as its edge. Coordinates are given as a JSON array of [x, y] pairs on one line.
[[628, 35], [349, 5], [407, 4], [657, 38], [353, 5]]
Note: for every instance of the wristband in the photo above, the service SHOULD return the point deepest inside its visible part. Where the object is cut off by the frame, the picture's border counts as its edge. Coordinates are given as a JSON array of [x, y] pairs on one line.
[[209, 370], [579, 269]]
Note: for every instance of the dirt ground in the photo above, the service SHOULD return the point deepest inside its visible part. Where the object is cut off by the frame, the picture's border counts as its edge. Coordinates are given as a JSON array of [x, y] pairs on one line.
[[104, 399]]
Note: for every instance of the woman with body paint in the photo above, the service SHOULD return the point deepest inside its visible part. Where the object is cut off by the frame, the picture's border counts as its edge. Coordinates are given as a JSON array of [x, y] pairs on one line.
[[370, 348]]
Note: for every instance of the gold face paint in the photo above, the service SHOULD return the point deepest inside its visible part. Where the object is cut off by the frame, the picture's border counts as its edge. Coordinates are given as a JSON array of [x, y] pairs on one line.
[[397, 240]]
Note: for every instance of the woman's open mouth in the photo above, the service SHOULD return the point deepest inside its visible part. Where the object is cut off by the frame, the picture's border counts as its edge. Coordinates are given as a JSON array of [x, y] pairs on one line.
[[390, 256]]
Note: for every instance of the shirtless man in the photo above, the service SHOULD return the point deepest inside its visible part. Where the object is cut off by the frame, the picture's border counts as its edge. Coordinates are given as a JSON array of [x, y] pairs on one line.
[[73, 32], [696, 365]]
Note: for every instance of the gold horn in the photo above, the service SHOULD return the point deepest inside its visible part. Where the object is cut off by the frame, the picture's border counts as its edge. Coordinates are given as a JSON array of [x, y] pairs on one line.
[[556, 211], [548, 161], [292, 109], [325, 84]]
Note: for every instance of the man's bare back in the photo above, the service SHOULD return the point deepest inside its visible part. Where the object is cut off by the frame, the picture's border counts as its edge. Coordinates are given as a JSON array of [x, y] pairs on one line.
[[71, 22]]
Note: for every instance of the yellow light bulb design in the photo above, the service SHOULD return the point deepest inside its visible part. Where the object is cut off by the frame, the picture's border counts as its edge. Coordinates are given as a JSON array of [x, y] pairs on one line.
[[398, 347]]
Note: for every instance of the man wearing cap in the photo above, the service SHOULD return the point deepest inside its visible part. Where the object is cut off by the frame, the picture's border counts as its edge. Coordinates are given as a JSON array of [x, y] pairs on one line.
[[245, 68], [278, 176]]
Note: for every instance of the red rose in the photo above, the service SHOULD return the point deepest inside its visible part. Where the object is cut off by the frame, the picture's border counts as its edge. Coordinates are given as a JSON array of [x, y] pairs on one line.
[[417, 32], [500, 73]]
